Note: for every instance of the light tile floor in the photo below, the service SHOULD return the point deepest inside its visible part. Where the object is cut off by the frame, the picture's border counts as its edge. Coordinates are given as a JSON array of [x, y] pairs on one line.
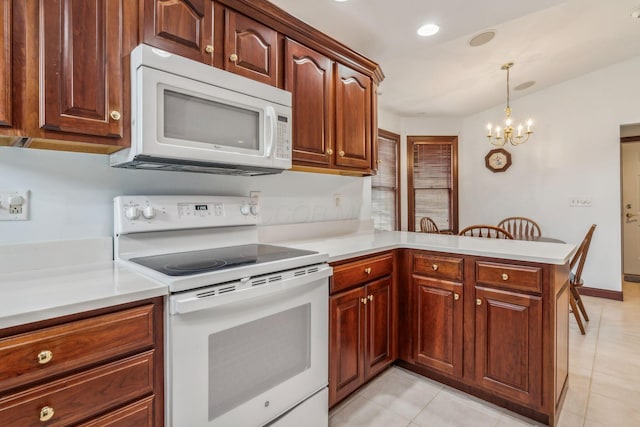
[[604, 383]]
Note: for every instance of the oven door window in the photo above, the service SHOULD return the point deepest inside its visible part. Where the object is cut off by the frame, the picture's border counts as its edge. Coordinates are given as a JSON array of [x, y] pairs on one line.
[[249, 359], [227, 127]]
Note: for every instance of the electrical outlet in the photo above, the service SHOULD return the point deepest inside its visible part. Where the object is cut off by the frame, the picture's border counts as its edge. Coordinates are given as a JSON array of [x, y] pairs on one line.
[[255, 197], [580, 202], [14, 205]]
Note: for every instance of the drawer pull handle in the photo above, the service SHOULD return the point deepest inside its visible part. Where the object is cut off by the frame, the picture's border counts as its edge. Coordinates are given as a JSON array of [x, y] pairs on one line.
[[45, 357], [505, 276], [370, 297], [363, 300], [233, 57], [367, 270], [46, 413], [115, 115], [209, 48], [341, 153], [456, 296], [478, 301], [434, 267]]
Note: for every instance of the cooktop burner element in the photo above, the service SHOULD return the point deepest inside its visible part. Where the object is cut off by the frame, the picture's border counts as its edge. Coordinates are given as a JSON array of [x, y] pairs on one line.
[[216, 259]]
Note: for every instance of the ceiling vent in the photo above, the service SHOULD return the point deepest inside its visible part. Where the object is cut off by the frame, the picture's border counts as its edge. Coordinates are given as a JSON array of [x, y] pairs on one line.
[[482, 38]]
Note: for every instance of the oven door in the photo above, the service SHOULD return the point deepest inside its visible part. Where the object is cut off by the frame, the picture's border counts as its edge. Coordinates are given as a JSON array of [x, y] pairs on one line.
[[250, 359]]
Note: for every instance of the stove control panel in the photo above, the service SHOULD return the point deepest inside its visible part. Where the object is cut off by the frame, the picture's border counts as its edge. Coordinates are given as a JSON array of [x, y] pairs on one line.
[[135, 214]]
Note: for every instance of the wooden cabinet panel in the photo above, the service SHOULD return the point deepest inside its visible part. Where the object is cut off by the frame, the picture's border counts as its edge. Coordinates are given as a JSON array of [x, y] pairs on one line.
[[439, 267], [353, 119], [438, 325], [139, 414], [6, 81], [251, 48], [508, 345], [380, 326], [183, 27], [358, 272], [82, 75], [80, 396], [510, 276], [346, 345], [46, 352], [308, 76]]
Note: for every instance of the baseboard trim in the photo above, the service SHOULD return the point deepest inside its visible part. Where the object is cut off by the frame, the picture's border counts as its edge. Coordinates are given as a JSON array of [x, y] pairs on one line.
[[601, 293]]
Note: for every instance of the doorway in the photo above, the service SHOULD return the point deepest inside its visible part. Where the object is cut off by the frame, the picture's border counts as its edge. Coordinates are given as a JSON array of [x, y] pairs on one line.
[[630, 166]]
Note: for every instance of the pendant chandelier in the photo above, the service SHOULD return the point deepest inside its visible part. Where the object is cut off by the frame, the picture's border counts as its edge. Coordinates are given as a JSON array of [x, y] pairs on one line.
[[500, 136]]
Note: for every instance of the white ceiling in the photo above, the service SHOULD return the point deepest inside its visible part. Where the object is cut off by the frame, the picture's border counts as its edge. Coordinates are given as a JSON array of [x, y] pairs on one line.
[[549, 40]]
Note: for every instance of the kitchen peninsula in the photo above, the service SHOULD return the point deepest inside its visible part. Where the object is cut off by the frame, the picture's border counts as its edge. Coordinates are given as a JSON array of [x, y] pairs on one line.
[[489, 317]]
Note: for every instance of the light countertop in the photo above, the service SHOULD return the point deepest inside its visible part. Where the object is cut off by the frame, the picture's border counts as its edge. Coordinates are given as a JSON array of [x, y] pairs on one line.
[[31, 296]]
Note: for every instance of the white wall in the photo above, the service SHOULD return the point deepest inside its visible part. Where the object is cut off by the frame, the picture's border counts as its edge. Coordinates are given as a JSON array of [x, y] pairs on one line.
[[575, 151], [71, 193], [389, 121]]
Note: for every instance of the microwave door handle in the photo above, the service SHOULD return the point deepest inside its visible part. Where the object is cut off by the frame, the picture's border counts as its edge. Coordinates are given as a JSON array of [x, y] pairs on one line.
[[271, 116]]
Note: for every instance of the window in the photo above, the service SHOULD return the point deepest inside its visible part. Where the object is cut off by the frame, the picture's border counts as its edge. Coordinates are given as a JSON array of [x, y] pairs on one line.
[[432, 178], [385, 186]]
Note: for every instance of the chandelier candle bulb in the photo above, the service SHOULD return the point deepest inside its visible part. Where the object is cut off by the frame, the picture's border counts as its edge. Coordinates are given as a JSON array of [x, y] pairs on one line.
[[489, 129], [519, 130]]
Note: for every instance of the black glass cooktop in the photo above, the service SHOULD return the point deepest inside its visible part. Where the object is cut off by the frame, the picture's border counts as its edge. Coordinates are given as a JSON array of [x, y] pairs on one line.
[[207, 260]]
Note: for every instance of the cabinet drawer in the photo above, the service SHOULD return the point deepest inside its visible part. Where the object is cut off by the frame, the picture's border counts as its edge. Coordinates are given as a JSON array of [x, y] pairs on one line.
[[440, 267], [509, 276], [138, 414], [50, 351], [355, 273], [80, 396]]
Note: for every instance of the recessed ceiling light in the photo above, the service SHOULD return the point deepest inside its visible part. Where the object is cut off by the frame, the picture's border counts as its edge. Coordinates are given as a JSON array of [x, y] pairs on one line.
[[428, 30], [525, 85], [636, 14], [340, 1], [482, 38]]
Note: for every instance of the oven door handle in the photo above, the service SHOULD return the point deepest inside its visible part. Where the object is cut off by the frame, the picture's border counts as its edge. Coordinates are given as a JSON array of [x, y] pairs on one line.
[[188, 303]]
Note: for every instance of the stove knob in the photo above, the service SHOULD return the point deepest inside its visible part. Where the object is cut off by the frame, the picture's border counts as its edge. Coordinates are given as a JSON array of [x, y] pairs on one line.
[[244, 210], [132, 212], [149, 212], [255, 210]]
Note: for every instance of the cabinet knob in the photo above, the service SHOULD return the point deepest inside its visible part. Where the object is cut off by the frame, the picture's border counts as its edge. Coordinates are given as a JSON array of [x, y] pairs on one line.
[[329, 152], [367, 270], [478, 301], [46, 413], [379, 162], [209, 48], [341, 153], [505, 276], [363, 300], [115, 115], [45, 357], [370, 297], [456, 296], [233, 57], [434, 267]]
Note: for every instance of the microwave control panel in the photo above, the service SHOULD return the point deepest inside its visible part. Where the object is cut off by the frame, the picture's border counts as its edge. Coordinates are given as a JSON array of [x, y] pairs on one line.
[[283, 137]]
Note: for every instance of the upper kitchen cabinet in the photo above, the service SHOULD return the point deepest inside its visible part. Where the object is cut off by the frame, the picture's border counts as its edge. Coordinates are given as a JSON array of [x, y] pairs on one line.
[[353, 119], [69, 80], [183, 27], [6, 83], [308, 76], [250, 48]]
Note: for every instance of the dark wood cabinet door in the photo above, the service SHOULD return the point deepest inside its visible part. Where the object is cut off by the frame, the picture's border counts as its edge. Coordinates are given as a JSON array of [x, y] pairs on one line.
[[308, 76], [183, 27], [6, 82], [346, 343], [82, 74], [251, 48], [380, 326], [438, 329], [509, 345], [353, 119]]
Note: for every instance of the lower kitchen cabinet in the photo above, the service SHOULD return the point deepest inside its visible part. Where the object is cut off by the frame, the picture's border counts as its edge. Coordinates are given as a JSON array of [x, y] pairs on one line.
[[361, 325], [96, 368]]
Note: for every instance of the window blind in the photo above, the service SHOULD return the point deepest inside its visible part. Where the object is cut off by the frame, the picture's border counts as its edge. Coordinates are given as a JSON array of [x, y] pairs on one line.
[[384, 186]]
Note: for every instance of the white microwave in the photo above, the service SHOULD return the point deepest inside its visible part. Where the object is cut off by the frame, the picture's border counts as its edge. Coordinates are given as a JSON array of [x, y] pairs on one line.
[[188, 116]]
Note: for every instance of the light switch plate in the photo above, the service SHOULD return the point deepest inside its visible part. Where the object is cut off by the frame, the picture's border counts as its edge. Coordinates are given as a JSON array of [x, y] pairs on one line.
[[14, 212], [580, 202]]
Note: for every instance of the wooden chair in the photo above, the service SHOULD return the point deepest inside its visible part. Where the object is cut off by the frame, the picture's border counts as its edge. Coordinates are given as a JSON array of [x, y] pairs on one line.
[[520, 226], [488, 231], [428, 226], [575, 279]]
